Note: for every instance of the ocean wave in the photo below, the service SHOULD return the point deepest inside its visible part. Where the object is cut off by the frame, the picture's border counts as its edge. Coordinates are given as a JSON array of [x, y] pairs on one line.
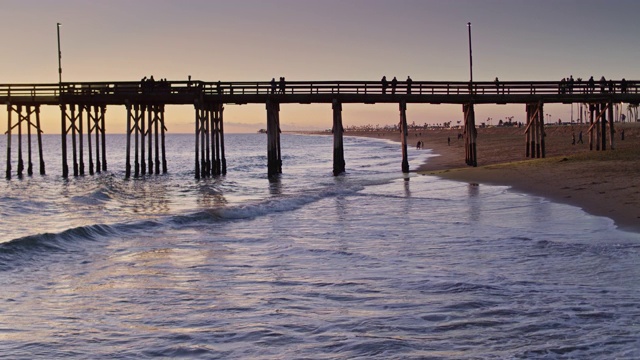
[[28, 247], [262, 207]]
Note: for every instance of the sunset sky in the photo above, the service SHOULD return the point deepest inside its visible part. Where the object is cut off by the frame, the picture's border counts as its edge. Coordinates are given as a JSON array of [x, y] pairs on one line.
[[248, 40]]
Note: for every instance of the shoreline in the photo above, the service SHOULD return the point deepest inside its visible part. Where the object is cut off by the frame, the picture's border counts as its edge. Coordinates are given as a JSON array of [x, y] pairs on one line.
[[601, 183]]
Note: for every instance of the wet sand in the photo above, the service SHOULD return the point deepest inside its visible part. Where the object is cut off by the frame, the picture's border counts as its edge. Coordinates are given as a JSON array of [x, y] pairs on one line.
[[602, 183]]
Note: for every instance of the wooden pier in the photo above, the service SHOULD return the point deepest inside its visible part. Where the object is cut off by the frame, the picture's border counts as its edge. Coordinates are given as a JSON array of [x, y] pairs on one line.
[[83, 108]]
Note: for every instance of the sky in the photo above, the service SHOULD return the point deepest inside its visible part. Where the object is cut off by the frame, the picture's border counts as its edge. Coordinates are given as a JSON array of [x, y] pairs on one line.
[[312, 40]]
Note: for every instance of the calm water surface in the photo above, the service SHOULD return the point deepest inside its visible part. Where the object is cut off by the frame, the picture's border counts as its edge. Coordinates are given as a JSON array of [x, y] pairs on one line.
[[365, 265]]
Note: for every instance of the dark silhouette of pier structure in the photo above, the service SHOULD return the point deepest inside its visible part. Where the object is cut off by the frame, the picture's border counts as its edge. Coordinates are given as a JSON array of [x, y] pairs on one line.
[[85, 104]]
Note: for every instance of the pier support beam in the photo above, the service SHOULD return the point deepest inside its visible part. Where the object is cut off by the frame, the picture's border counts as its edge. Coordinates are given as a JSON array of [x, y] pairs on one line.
[[598, 126], [218, 161], [218, 111], [534, 131], [274, 155], [75, 121], [338, 143], [611, 128], [95, 123], [403, 136], [470, 135], [142, 128], [592, 108], [210, 159], [24, 117]]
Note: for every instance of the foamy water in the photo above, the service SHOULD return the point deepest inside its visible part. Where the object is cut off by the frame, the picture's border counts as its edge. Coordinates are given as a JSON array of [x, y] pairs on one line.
[[371, 264]]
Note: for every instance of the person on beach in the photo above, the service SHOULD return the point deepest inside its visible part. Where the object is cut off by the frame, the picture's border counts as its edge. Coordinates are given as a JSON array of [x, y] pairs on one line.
[[573, 139], [449, 140], [580, 137], [384, 84], [622, 135]]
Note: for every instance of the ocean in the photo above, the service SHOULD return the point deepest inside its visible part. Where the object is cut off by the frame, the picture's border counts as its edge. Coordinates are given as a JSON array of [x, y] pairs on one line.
[[372, 264]]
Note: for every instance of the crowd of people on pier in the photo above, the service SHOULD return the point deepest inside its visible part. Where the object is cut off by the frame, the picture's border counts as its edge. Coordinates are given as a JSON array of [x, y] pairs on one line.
[[567, 85], [394, 84], [151, 85], [279, 86]]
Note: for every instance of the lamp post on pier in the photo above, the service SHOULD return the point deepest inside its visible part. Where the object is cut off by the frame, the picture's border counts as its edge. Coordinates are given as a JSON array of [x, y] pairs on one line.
[[59, 60], [470, 57]]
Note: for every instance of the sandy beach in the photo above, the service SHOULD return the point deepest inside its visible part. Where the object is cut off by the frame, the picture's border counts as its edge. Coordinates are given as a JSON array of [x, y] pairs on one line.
[[602, 183]]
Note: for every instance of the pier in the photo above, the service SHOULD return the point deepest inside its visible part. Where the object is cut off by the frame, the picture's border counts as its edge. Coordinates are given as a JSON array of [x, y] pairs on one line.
[[83, 108]]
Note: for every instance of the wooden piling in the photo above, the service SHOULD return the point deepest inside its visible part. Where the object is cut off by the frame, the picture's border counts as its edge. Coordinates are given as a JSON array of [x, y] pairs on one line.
[[20, 160], [74, 144], [29, 162], [80, 140], [8, 170], [198, 110], [150, 119], [223, 160], [591, 135], [136, 121], [611, 127], [39, 132], [141, 123], [338, 139], [471, 134], [403, 136], [162, 129], [214, 139], [63, 123], [157, 143], [527, 132], [204, 117], [128, 150], [603, 126], [90, 128], [103, 135], [542, 133], [274, 160]]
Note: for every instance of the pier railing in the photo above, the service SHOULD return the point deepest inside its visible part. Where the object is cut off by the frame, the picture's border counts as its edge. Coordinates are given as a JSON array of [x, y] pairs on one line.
[[50, 93]]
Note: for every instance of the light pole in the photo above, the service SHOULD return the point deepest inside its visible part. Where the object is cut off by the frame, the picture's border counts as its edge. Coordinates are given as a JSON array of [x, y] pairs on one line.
[[59, 59], [470, 56]]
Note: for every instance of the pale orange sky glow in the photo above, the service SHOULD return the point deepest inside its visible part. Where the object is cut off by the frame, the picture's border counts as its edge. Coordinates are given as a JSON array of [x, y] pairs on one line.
[[256, 40]]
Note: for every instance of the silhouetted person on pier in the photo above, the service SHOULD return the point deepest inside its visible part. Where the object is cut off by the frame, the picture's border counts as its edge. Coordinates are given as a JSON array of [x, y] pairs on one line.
[[623, 86], [219, 87], [394, 83], [603, 84], [562, 87], [273, 85], [497, 81], [570, 84], [282, 85], [384, 84], [591, 84], [409, 81]]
